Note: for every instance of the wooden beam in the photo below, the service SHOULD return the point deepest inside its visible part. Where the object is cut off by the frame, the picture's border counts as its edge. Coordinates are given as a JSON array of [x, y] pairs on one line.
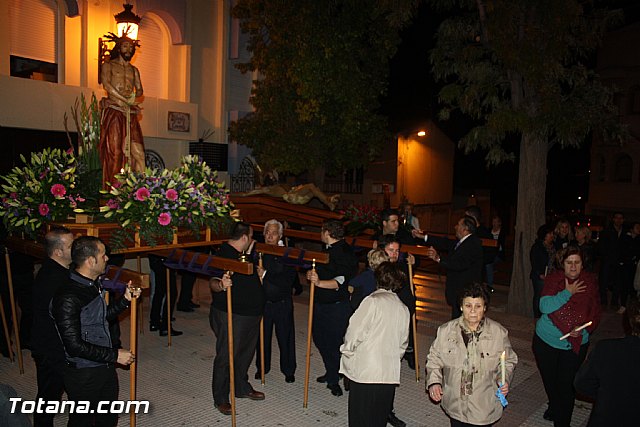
[[294, 253], [216, 262]]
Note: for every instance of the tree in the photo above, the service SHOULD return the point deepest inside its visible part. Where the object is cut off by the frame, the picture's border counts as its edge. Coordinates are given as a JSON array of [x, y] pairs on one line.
[[518, 67], [322, 67]]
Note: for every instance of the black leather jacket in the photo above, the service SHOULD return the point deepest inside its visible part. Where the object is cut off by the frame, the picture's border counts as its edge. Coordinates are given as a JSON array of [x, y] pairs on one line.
[[81, 317]]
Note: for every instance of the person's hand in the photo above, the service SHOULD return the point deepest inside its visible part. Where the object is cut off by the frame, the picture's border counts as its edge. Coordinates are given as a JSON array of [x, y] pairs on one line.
[[433, 254], [435, 392], [131, 292], [312, 277], [417, 233], [504, 389], [125, 357], [576, 287], [261, 272], [411, 259], [225, 282], [575, 333]]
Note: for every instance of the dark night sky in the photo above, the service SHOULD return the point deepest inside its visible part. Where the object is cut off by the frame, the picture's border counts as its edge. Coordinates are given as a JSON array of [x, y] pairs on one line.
[[412, 100]]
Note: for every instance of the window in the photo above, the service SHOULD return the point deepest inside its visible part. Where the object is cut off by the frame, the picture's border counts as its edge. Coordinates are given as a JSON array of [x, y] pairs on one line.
[[33, 33], [623, 168], [151, 57]]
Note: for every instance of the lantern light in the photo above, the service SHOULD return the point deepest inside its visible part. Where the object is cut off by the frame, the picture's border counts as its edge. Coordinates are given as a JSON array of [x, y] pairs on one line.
[[127, 22]]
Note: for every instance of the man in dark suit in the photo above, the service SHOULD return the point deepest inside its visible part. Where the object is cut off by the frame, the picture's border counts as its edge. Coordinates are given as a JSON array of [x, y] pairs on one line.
[[611, 375], [463, 262]]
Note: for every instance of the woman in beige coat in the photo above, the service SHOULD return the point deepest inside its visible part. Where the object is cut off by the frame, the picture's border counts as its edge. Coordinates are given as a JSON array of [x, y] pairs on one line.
[[463, 364]]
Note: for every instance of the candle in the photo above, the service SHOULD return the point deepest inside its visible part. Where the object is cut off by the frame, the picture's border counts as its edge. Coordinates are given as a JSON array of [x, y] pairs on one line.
[[313, 264], [503, 368], [579, 328]]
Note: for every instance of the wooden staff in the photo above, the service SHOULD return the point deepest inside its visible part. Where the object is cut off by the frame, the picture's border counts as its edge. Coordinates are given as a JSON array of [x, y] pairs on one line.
[[232, 377], [168, 304], [261, 330], [133, 348], [5, 328], [309, 331], [12, 300], [414, 326], [140, 306]]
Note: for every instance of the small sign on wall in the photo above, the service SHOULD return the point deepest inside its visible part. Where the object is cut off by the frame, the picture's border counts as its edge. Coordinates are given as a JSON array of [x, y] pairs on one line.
[[179, 122]]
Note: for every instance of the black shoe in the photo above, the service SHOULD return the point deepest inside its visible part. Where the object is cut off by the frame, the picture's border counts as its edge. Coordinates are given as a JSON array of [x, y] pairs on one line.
[[411, 360], [153, 327], [290, 378], [174, 333], [548, 415], [185, 309], [322, 379], [335, 389], [193, 305], [395, 421]]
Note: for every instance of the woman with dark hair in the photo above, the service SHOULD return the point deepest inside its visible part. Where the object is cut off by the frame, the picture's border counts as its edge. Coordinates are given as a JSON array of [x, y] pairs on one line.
[[463, 364], [374, 344], [570, 306], [541, 256]]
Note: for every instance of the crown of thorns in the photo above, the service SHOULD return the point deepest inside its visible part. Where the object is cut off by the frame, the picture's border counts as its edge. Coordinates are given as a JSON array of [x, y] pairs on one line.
[[114, 38]]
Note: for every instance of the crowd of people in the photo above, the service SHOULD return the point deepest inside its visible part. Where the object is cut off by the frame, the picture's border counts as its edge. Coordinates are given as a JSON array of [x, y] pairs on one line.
[[361, 320]]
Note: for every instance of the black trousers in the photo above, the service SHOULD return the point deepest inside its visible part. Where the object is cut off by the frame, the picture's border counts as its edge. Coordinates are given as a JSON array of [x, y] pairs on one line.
[[50, 378], [330, 322], [158, 312], [279, 315], [246, 330], [370, 404], [456, 423], [558, 369], [186, 288], [94, 385]]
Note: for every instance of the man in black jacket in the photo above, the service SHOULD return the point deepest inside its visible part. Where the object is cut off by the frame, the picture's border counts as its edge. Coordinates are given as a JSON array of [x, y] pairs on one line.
[[46, 347], [278, 280], [611, 374], [463, 263], [331, 310], [81, 316], [247, 300]]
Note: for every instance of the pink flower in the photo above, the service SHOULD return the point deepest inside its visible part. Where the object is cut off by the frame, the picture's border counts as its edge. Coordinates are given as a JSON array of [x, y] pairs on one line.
[[142, 194], [58, 190], [13, 195], [43, 209], [172, 195], [164, 218], [80, 199], [112, 204]]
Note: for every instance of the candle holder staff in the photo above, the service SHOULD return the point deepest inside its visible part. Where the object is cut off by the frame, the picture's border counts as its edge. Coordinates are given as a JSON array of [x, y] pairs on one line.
[[464, 365]]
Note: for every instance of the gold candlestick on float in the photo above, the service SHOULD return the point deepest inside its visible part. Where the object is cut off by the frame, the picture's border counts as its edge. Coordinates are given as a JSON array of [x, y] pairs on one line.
[[309, 331]]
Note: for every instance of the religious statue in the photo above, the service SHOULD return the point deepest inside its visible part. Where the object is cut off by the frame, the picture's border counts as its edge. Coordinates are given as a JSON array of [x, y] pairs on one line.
[[120, 136], [297, 195]]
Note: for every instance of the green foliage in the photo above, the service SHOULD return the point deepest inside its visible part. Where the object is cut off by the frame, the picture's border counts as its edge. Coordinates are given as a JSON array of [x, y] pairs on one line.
[[323, 66], [518, 66]]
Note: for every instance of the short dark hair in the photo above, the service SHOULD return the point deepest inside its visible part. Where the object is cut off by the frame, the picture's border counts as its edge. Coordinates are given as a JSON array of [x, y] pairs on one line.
[[543, 230], [474, 290], [387, 239], [633, 315], [83, 248], [53, 239], [470, 223], [334, 227], [386, 214], [238, 230], [389, 275]]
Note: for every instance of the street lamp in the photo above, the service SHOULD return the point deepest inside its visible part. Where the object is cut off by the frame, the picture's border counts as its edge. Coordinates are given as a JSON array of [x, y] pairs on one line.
[[422, 133], [127, 22]]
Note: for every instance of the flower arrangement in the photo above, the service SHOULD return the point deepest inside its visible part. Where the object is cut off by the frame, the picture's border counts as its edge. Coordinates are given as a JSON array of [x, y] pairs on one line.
[[361, 218], [42, 190], [153, 203]]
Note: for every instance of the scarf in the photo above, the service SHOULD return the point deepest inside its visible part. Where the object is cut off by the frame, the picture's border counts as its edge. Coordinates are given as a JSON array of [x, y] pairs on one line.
[[580, 308], [472, 365]]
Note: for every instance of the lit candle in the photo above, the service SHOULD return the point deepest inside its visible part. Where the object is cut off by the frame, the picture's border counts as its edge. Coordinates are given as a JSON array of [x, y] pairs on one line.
[[578, 329], [503, 367], [313, 264]]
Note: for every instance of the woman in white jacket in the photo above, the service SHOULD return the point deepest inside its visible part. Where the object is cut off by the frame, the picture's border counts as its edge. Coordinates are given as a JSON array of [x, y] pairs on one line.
[[374, 344], [463, 364]]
